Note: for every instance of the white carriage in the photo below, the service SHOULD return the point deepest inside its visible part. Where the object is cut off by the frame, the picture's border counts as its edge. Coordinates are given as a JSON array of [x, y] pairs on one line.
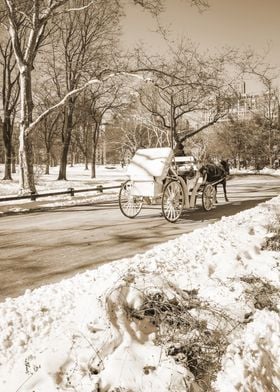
[[155, 173]]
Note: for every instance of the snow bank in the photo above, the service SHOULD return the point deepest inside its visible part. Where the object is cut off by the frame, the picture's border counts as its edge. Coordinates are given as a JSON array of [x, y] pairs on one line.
[[80, 334], [252, 361]]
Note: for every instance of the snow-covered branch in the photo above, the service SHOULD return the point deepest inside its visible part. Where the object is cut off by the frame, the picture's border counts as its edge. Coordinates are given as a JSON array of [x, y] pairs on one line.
[[64, 100], [81, 8]]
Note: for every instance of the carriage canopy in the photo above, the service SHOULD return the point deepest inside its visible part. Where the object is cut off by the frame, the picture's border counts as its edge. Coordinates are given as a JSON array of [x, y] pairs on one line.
[[149, 163], [147, 169]]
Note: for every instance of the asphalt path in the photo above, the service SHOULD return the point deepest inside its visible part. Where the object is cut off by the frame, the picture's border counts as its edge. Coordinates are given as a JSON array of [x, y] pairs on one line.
[[45, 246]]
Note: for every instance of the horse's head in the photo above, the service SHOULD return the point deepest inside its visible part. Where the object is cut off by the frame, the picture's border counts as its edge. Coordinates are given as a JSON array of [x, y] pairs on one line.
[[225, 166]]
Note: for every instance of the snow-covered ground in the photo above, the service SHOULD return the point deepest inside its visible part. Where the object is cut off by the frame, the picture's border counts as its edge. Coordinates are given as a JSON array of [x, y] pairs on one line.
[[197, 313], [77, 178]]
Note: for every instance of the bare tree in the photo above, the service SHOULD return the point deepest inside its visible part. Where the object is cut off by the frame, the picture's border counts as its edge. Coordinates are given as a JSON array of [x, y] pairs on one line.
[[10, 95], [187, 94], [105, 100], [32, 16], [137, 128], [266, 111], [268, 116], [83, 129], [49, 131], [87, 41]]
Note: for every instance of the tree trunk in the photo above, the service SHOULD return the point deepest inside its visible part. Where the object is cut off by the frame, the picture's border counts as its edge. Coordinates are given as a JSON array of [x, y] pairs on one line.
[[270, 148], [14, 160], [7, 137], [238, 163], [27, 183], [26, 180], [85, 155], [47, 169], [94, 148], [86, 162], [66, 141], [53, 160], [93, 162], [72, 158], [63, 159]]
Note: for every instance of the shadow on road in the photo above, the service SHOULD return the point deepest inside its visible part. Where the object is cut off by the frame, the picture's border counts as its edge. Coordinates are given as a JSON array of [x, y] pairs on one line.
[[221, 210]]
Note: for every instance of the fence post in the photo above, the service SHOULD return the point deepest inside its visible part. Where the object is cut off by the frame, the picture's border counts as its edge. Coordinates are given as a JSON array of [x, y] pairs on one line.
[[100, 188], [33, 196], [71, 191]]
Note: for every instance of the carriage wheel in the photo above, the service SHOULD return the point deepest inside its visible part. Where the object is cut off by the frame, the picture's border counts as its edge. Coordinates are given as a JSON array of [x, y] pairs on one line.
[[173, 200], [208, 197], [129, 204]]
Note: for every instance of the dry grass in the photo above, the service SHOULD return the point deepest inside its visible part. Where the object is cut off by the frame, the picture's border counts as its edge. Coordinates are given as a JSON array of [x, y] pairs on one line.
[[191, 331], [272, 242], [262, 294]]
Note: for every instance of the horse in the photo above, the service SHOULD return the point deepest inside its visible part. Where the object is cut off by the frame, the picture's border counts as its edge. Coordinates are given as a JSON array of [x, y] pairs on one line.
[[216, 174]]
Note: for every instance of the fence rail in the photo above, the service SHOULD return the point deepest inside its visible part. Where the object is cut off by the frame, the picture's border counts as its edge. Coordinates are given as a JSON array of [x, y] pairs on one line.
[[69, 191]]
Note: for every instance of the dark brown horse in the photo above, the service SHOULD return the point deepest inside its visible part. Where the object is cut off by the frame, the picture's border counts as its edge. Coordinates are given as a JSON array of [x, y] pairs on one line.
[[216, 174]]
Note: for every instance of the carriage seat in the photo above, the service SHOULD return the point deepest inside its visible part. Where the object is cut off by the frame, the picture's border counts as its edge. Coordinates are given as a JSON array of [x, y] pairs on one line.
[[188, 170], [186, 166]]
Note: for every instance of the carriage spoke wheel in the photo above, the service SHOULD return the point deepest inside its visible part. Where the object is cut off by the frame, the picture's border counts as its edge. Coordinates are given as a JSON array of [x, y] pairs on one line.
[[173, 200], [129, 204], [208, 197]]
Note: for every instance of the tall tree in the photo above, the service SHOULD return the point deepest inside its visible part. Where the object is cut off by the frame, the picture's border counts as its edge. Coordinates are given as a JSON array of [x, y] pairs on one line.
[[87, 42], [10, 95], [104, 102], [266, 111], [188, 94], [49, 134], [32, 17], [82, 131], [268, 116]]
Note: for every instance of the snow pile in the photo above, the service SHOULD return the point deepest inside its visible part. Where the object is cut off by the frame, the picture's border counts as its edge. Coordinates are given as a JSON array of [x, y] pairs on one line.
[[129, 325], [252, 361]]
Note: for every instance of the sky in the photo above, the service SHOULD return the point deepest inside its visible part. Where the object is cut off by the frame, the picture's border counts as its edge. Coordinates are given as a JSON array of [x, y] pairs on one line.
[[237, 23]]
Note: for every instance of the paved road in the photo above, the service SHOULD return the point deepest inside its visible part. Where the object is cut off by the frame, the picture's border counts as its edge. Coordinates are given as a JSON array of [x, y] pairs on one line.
[[43, 247]]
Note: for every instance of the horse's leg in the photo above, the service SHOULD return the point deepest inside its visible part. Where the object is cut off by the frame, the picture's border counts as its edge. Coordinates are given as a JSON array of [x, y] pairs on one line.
[[216, 200], [225, 190]]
